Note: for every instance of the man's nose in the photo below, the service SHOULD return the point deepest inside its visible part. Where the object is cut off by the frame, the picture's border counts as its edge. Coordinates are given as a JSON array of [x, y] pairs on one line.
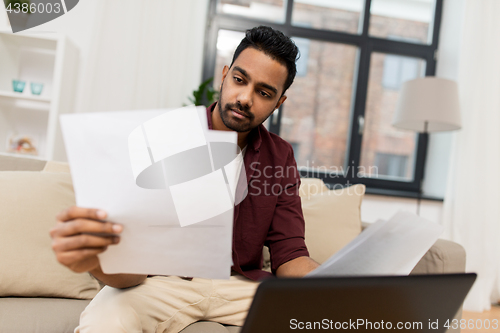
[[245, 97]]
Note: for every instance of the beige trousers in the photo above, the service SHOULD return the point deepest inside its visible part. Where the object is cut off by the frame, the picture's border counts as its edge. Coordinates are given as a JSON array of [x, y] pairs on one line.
[[168, 304]]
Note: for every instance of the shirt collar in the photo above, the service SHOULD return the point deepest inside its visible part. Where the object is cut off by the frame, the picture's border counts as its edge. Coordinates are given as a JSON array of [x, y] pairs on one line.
[[254, 138]]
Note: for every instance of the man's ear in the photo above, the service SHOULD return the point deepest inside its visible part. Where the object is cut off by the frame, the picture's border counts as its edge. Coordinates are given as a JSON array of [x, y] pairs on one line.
[[280, 101], [225, 70]]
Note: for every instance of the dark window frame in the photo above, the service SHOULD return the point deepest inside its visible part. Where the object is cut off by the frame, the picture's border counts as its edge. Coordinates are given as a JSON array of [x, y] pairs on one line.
[[367, 45]]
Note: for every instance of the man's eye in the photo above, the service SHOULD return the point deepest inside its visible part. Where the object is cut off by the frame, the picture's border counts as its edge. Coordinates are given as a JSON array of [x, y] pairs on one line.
[[263, 93], [237, 79]]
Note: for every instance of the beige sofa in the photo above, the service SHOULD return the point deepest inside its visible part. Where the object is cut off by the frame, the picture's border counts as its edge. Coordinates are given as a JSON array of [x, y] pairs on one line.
[[39, 295]]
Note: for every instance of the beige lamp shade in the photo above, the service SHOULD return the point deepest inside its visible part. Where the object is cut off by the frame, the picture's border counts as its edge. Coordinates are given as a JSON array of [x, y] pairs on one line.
[[429, 99]]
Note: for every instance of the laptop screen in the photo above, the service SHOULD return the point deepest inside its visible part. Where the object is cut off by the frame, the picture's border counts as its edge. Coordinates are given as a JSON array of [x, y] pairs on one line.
[[417, 303]]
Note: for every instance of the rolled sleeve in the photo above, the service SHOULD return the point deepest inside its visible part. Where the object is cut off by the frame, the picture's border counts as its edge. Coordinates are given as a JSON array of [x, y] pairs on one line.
[[286, 235]]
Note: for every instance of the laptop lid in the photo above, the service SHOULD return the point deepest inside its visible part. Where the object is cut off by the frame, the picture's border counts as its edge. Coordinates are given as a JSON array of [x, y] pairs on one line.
[[417, 303]]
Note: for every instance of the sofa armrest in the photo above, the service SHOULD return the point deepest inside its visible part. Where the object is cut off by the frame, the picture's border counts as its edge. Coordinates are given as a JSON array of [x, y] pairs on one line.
[[443, 257], [40, 314]]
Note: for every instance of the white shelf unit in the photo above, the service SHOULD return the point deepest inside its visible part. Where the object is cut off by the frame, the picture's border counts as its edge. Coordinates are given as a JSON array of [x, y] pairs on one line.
[[47, 58]]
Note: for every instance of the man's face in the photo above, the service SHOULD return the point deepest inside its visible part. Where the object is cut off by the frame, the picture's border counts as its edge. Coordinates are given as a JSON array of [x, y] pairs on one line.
[[251, 90]]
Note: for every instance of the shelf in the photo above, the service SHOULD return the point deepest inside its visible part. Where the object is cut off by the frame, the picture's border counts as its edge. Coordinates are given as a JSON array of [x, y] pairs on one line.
[[46, 58], [34, 157], [44, 41], [21, 96]]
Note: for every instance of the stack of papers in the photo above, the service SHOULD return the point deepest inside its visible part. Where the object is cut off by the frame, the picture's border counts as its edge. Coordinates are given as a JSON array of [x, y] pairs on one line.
[[390, 247]]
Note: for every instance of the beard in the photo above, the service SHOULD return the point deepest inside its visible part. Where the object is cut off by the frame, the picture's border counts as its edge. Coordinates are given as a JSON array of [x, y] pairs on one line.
[[232, 122]]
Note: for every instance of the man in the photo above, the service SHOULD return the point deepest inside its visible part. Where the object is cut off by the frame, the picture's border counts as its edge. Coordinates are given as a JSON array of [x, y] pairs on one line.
[[262, 69]]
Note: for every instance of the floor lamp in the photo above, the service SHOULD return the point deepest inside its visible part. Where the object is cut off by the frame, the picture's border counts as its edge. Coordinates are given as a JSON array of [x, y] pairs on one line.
[[427, 105]]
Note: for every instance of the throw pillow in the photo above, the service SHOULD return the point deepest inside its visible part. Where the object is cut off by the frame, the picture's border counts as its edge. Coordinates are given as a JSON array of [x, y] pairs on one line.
[[311, 186], [332, 217], [29, 202], [53, 166]]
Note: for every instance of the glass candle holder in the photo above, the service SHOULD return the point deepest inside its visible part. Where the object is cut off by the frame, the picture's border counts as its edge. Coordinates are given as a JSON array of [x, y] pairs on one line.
[[18, 85], [36, 88]]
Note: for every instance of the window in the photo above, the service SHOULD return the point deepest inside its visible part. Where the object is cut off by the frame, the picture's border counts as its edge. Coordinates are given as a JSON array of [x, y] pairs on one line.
[[262, 10], [391, 165], [398, 69], [387, 73], [355, 55]]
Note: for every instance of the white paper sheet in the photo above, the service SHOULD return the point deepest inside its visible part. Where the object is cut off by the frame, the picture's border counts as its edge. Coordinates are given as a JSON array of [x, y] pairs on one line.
[[390, 247], [211, 194], [147, 171]]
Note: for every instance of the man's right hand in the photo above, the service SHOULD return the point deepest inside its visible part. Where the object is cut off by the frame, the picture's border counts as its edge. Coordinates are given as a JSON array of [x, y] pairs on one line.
[[80, 235]]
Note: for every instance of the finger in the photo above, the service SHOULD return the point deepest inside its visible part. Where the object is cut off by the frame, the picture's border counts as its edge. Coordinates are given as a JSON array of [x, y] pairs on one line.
[[76, 259], [81, 212], [82, 241], [79, 226]]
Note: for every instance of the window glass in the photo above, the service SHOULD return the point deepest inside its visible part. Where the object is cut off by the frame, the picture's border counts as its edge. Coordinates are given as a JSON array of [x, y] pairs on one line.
[[408, 19], [337, 15], [387, 152], [227, 42], [391, 164], [316, 114], [268, 10]]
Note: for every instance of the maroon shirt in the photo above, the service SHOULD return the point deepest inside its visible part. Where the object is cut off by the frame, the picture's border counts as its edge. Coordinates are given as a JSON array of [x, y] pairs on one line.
[[271, 213]]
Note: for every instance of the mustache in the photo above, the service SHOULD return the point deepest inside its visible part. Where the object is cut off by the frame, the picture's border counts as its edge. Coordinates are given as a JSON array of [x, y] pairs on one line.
[[243, 109]]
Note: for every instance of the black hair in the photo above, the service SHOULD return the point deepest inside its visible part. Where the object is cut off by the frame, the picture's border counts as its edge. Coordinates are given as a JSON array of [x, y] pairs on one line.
[[273, 43]]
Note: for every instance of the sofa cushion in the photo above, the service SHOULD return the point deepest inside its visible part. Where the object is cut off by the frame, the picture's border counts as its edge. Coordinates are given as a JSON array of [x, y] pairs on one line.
[[210, 327], [29, 202], [53, 166], [19, 314], [332, 217]]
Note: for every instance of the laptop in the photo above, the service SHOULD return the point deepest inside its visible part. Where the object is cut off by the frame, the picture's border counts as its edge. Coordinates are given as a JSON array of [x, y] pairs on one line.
[[416, 303]]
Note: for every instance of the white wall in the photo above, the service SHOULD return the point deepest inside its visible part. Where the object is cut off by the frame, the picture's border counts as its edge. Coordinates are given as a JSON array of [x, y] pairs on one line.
[[4, 23], [376, 207]]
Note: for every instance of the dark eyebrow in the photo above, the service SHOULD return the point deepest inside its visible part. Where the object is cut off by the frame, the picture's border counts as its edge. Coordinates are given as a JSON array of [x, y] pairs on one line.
[[262, 84]]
